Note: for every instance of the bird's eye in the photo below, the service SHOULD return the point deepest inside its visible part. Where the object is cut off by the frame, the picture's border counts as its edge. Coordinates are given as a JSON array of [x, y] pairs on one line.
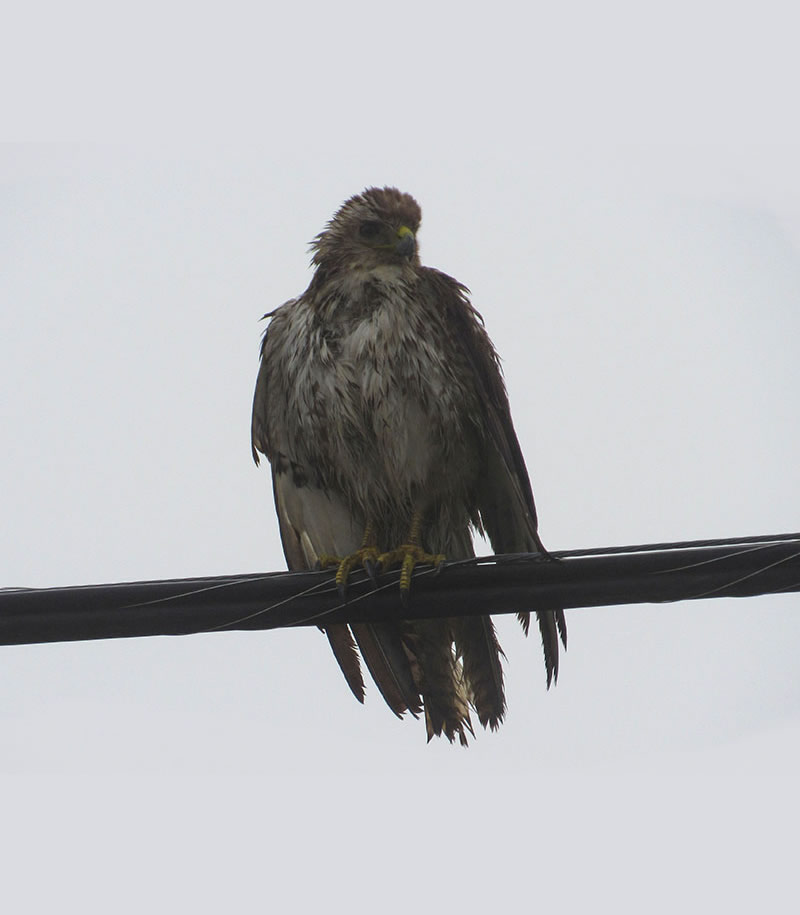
[[369, 229]]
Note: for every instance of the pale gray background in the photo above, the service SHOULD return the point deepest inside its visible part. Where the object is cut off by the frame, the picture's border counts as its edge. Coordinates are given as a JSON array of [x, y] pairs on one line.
[[620, 191]]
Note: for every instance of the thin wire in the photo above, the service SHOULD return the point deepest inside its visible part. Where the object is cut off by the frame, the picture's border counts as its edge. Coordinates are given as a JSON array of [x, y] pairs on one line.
[[737, 581], [327, 612], [264, 610], [223, 584], [640, 548], [680, 545], [389, 584], [714, 559]]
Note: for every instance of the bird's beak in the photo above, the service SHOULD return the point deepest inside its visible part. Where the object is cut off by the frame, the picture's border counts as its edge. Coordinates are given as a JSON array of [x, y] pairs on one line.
[[406, 244]]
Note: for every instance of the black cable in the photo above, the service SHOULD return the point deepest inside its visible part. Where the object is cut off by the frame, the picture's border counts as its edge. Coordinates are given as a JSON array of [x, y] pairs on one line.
[[646, 573]]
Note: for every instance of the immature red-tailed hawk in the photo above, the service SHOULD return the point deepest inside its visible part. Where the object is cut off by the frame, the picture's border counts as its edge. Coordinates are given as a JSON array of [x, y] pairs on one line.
[[381, 407]]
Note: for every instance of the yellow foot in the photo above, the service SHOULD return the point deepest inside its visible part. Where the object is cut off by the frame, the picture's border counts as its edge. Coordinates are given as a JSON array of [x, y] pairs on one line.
[[407, 556], [366, 557]]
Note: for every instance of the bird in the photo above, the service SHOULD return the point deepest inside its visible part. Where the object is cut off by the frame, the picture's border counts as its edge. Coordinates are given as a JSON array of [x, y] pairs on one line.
[[381, 406]]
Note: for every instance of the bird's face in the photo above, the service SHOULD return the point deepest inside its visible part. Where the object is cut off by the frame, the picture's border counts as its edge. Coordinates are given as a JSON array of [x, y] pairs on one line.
[[380, 235], [373, 229]]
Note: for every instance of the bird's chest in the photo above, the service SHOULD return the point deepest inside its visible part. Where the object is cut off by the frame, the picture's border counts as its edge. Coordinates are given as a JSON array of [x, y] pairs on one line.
[[378, 393], [387, 372]]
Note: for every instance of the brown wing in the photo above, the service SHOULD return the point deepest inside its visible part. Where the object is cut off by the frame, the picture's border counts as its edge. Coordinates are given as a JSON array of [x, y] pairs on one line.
[[292, 535], [505, 496], [313, 522]]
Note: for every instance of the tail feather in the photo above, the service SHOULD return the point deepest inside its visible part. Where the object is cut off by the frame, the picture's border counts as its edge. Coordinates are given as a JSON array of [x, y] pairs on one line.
[[476, 643], [552, 626], [548, 627], [346, 653], [440, 680], [383, 653], [561, 623]]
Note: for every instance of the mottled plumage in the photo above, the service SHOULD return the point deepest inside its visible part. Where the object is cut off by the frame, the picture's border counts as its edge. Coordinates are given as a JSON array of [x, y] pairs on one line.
[[380, 401]]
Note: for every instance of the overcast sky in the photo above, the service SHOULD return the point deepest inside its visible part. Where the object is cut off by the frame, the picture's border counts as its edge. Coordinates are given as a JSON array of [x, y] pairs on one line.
[[621, 194]]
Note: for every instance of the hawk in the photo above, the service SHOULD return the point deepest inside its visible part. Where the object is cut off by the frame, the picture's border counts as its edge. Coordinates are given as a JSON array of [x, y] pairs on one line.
[[381, 407]]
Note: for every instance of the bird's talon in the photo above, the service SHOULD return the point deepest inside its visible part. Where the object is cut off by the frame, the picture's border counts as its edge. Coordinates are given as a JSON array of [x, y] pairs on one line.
[[365, 556], [408, 556], [372, 568]]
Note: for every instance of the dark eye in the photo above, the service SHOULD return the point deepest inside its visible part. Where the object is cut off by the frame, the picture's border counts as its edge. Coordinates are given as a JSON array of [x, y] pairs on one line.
[[369, 229]]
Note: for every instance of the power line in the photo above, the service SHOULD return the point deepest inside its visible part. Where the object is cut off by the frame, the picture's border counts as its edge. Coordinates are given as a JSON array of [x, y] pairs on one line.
[[646, 573]]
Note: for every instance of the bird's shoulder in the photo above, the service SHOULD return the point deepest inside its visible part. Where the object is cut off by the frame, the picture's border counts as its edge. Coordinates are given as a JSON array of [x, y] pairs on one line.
[[466, 328], [280, 320], [273, 342]]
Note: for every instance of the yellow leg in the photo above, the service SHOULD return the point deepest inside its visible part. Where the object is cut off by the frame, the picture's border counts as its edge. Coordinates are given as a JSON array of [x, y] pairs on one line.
[[366, 556], [410, 554]]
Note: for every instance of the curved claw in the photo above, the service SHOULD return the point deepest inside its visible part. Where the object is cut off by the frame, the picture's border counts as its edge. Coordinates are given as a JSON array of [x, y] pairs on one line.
[[366, 556], [373, 570]]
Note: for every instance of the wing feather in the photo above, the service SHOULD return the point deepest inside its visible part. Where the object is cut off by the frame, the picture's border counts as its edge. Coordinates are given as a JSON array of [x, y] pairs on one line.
[[313, 522], [505, 496], [382, 651], [258, 427], [480, 652], [293, 509], [346, 653]]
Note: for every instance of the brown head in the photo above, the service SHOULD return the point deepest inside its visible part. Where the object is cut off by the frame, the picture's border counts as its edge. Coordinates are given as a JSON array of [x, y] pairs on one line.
[[375, 228]]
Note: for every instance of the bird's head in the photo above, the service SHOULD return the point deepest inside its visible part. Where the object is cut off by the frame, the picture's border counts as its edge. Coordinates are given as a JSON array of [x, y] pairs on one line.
[[375, 228]]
